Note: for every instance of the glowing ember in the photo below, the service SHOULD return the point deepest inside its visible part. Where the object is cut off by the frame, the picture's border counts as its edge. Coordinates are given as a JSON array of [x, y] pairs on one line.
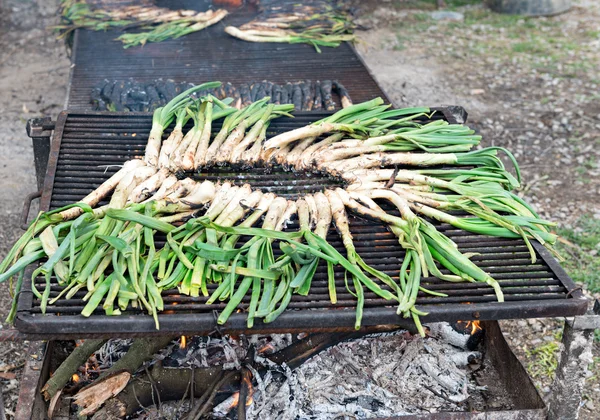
[[183, 342], [268, 348], [75, 378]]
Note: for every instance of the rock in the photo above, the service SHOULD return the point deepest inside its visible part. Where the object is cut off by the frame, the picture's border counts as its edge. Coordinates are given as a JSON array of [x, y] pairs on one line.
[[477, 91], [447, 15]]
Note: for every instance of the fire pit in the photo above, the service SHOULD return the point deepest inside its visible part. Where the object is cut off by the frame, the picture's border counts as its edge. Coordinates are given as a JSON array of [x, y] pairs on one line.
[[375, 375]]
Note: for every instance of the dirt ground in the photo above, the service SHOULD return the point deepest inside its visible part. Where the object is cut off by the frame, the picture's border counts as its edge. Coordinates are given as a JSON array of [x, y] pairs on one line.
[[530, 85], [34, 69]]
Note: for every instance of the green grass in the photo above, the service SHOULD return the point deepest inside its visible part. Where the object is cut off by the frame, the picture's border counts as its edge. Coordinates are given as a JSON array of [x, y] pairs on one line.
[[528, 47], [542, 44], [581, 252], [545, 360]]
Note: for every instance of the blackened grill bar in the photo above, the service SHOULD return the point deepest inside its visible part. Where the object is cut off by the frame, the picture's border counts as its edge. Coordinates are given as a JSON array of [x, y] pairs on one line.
[[531, 290]]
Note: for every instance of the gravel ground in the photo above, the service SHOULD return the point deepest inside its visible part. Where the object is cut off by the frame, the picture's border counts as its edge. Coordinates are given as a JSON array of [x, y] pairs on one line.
[[529, 84]]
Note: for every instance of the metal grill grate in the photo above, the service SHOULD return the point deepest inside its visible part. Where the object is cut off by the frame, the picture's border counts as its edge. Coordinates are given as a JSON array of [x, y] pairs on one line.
[[212, 54], [85, 146]]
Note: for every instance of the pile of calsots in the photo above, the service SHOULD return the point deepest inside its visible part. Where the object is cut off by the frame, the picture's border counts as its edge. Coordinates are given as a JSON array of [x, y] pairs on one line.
[[225, 234]]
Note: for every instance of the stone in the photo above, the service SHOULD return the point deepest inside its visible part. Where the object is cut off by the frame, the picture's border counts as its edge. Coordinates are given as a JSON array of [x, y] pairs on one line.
[[447, 15]]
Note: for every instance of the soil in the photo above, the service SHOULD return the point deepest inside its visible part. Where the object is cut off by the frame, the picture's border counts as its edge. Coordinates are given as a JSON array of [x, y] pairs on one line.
[[34, 69], [541, 103]]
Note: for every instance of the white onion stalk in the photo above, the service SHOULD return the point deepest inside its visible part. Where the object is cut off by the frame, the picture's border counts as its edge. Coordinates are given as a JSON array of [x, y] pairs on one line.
[[313, 212], [230, 216], [305, 160], [230, 122], [163, 117], [200, 154], [252, 135], [252, 114], [252, 155], [149, 186], [191, 137], [243, 192], [171, 143], [324, 215], [188, 159], [93, 198], [166, 187], [298, 149], [377, 160]]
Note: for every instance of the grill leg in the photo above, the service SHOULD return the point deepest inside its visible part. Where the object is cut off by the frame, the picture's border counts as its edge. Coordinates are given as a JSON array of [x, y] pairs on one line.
[[576, 354], [40, 130]]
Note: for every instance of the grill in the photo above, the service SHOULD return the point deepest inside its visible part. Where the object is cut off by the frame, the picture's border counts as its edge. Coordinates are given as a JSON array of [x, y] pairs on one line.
[[86, 144], [211, 54]]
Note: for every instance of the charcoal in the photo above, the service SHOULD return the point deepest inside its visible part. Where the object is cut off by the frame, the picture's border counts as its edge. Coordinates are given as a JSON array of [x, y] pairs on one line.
[[96, 97], [284, 95], [115, 96], [220, 92], [106, 89], [127, 87]]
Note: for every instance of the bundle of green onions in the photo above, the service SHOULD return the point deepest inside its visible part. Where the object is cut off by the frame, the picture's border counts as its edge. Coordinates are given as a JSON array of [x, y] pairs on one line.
[[232, 244], [153, 24], [317, 22]]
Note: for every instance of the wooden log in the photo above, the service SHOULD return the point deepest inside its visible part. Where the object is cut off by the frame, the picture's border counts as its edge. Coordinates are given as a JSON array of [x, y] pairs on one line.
[[67, 368], [140, 351]]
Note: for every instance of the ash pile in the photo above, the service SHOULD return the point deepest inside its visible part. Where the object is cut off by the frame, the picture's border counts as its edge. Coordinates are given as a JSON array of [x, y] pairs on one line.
[[289, 376], [135, 96], [381, 375]]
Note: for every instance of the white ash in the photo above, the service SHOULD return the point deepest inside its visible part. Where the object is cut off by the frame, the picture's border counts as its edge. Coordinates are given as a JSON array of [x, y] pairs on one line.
[[379, 375], [111, 351]]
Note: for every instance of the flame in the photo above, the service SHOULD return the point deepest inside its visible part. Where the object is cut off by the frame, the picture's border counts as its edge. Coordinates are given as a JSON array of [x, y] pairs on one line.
[[474, 327], [235, 399], [248, 382], [183, 342], [75, 378]]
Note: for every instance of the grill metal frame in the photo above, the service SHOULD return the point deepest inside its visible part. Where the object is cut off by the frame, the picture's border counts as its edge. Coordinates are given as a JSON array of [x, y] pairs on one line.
[[548, 290]]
